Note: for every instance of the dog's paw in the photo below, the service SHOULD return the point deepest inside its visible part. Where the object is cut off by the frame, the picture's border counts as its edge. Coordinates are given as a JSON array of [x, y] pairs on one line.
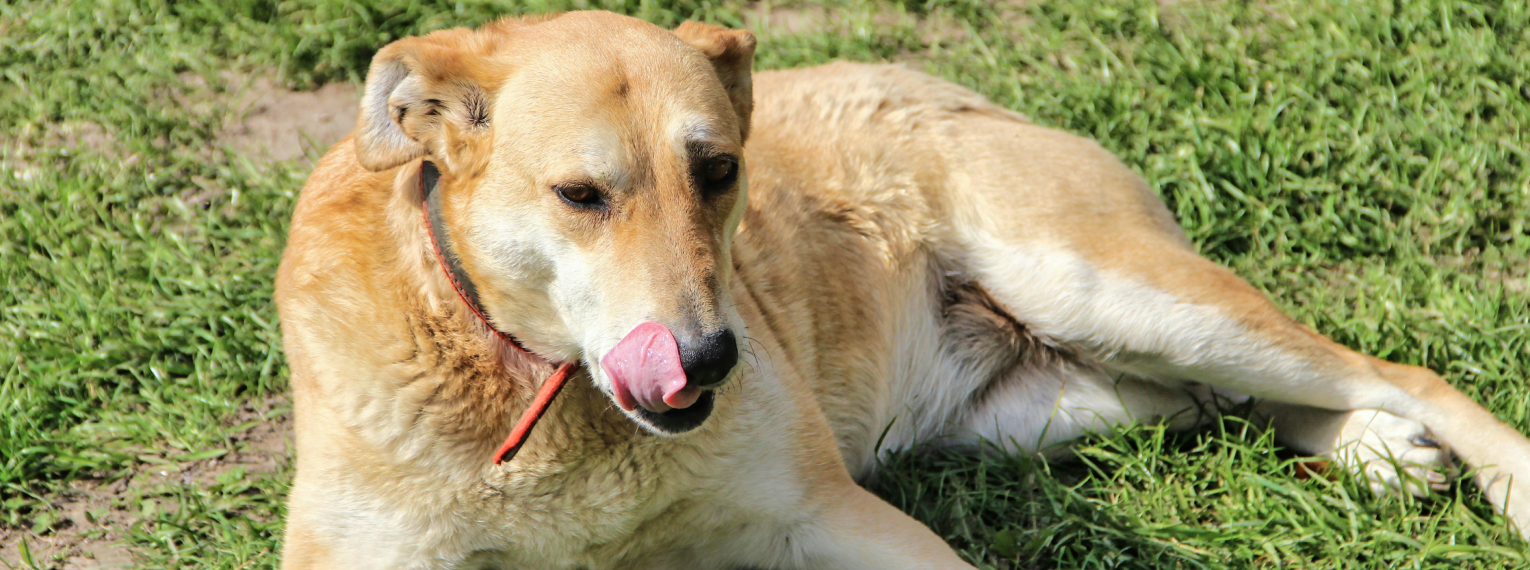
[[1393, 453]]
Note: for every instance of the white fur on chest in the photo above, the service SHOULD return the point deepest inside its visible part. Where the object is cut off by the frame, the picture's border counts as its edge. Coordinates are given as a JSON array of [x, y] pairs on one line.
[[726, 490]]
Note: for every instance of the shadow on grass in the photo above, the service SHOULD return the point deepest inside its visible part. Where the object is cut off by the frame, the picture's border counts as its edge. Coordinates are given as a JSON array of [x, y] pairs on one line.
[[1221, 496]]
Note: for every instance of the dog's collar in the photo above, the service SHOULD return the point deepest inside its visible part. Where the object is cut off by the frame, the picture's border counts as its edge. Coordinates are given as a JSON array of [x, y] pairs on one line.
[[435, 226]]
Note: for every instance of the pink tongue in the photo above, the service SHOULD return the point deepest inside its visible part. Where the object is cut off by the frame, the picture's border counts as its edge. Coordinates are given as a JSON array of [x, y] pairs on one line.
[[645, 370]]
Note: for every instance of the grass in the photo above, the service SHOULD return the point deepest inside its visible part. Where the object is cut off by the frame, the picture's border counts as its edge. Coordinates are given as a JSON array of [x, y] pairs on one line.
[[1363, 162]]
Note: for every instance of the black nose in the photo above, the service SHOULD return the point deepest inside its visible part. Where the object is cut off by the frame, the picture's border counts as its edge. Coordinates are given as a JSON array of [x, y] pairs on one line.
[[707, 359]]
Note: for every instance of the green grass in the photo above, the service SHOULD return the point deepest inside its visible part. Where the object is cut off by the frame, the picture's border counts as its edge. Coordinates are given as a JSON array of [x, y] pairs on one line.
[[1364, 162]]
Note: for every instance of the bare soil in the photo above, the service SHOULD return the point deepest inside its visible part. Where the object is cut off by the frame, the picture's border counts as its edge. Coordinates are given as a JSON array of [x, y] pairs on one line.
[[278, 124], [92, 514]]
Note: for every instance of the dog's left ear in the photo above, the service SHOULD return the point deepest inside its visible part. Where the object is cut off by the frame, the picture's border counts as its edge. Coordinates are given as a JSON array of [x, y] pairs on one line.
[[732, 55]]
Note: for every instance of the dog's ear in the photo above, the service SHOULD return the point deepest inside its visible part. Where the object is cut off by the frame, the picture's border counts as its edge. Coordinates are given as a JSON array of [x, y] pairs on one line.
[[732, 55], [430, 95]]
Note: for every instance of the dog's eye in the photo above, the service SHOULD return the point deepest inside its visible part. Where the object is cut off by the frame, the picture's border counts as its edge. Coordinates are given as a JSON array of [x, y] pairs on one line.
[[718, 173], [580, 195]]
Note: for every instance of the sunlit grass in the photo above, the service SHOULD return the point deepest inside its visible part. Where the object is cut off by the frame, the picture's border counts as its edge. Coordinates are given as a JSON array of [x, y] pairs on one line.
[[1363, 162]]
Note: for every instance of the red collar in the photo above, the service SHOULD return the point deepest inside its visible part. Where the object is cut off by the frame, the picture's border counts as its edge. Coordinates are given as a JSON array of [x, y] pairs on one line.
[[430, 206]]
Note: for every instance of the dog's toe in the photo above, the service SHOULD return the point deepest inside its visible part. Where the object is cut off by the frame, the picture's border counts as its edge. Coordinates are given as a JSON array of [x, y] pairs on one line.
[[1394, 453]]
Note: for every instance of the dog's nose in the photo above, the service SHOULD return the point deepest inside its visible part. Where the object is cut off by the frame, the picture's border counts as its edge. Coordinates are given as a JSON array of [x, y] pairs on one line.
[[708, 358]]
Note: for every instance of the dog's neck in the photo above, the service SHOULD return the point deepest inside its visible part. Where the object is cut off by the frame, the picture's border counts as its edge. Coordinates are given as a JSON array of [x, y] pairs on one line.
[[429, 185], [458, 368], [462, 283]]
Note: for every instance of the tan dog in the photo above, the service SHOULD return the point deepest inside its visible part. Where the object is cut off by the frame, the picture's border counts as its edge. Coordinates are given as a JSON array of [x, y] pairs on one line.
[[904, 258]]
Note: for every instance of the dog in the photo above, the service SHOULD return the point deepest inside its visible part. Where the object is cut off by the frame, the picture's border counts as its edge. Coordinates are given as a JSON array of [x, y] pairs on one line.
[[718, 295]]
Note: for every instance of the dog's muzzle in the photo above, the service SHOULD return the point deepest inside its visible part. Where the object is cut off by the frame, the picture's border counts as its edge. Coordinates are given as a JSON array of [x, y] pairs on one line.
[[663, 382]]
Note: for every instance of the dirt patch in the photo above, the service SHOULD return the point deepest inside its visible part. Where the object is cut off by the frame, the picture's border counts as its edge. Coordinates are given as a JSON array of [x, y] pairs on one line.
[[264, 120], [1511, 273], [936, 27], [274, 123], [797, 20], [20, 151], [768, 20], [70, 134], [84, 526]]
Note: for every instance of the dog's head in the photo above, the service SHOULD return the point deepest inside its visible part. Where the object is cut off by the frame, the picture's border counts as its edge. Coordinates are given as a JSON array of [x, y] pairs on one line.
[[592, 182]]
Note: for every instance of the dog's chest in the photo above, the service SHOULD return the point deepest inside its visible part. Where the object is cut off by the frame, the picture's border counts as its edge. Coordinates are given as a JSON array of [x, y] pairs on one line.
[[589, 489], [607, 503]]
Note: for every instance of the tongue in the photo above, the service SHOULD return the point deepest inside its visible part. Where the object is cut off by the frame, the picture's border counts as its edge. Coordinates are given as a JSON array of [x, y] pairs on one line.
[[645, 371]]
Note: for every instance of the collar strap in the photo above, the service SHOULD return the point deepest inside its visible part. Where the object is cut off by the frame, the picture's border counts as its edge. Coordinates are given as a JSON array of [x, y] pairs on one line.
[[451, 265]]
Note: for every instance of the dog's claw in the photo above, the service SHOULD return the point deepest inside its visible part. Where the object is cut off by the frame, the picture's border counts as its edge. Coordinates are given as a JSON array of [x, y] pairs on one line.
[[1422, 440]]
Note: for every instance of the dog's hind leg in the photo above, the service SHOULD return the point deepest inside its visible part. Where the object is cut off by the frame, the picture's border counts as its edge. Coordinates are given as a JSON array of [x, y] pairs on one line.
[[1034, 395], [1042, 397], [1042, 409], [1142, 304]]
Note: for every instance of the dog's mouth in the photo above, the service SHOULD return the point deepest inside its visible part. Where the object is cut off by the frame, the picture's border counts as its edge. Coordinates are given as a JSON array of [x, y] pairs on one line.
[[648, 380], [680, 420]]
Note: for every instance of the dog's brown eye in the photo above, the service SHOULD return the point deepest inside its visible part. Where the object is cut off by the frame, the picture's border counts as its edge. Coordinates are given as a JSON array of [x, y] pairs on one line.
[[581, 195], [718, 173]]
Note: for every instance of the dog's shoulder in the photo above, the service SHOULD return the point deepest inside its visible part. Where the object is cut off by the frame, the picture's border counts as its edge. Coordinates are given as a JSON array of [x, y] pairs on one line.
[[340, 190], [337, 226]]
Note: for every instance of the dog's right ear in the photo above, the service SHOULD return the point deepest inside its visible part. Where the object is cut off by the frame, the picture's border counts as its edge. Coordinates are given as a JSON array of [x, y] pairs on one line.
[[429, 95]]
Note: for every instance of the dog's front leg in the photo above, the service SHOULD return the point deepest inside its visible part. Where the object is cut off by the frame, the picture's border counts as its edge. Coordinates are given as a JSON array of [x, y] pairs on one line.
[[858, 530]]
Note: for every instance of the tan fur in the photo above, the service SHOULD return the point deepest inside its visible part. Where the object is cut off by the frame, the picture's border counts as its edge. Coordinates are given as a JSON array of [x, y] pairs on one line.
[[899, 258]]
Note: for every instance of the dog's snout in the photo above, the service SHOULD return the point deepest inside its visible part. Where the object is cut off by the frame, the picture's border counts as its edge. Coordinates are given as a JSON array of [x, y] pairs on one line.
[[708, 358]]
